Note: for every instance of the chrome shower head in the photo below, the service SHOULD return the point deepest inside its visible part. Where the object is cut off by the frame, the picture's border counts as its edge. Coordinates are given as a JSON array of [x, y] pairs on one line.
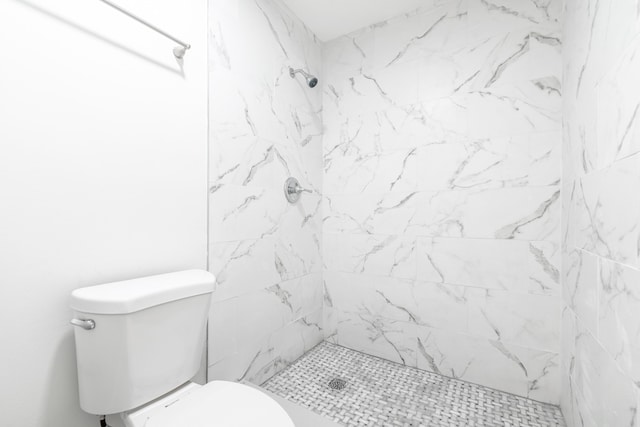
[[312, 81]]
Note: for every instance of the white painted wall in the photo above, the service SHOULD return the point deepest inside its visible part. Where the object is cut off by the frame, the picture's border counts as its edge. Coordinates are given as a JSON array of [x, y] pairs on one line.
[[103, 159]]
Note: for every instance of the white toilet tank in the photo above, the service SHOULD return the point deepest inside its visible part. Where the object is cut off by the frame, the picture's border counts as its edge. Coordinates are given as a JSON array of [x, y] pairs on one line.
[[147, 339]]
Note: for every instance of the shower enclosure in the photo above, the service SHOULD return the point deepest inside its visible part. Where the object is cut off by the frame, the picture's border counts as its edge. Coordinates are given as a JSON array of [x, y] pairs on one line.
[[432, 146]]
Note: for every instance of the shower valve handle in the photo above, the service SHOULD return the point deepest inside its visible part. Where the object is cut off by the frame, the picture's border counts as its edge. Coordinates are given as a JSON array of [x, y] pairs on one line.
[[298, 189], [293, 189]]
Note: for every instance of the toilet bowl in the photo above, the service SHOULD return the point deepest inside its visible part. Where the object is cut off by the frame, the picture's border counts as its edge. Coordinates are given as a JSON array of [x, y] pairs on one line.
[[218, 403], [138, 345]]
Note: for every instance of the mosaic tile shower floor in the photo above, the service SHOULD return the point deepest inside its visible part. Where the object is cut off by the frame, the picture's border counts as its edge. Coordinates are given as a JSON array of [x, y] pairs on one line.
[[383, 393]]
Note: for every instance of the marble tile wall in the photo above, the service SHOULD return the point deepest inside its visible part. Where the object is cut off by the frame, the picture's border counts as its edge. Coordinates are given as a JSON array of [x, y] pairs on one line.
[[601, 213], [264, 127], [441, 192]]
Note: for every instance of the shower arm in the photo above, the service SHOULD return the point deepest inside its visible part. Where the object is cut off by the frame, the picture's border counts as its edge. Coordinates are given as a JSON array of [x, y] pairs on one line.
[[293, 72]]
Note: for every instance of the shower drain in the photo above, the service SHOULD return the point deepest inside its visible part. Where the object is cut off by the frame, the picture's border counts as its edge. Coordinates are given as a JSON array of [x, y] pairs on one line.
[[337, 384]]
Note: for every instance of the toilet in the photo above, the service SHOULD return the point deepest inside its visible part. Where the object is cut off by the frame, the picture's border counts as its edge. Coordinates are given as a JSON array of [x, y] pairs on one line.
[[140, 342]]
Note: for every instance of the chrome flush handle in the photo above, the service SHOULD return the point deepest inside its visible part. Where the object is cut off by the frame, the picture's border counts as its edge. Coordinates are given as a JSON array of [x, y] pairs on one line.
[[87, 324]]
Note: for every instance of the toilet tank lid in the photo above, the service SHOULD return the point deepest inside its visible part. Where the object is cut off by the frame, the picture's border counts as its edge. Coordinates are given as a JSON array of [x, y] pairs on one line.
[[129, 296]]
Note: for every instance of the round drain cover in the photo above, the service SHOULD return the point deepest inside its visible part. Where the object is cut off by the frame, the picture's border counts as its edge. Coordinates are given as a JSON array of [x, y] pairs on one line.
[[337, 384]]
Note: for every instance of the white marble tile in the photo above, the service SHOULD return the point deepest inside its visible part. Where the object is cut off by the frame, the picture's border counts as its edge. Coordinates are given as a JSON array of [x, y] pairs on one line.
[[286, 251], [304, 159], [370, 133], [495, 17], [373, 296], [543, 267], [580, 131], [294, 103], [380, 255], [230, 368], [389, 213], [249, 360], [229, 111], [580, 287], [348, 135], [512, 265], [605, 394], [567, 364], [329, 313], [622, 30], [389, 339], [609, 211], [364, 134], [253, 362], [253, 106], [455, 308], [527, 320], [231, 48], [437, 27], [311, 161], [513, 161], [241, 213], [374, 91], [222, 333], [252, 93], [391, 127], [297, 338], [242, 266], [581, 415], [618, 125], [469, 236], [591, 56], [251, 162], [266, 341], [445, 119], [531, 213], [498, 112], [258, 144], [444, 306], [619, 315], [303, 295], [262, 313], [518, 90], [601, 222], [519, 370], [293, 260], [525, 62], [330, 324], [474, 262], [348, 55], [264, 127], [569, 227], [445, 74], [374, 173], [298, 247]]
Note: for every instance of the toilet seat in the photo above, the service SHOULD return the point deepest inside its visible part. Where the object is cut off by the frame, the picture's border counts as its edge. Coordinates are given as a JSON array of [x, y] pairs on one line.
[[222, 404]]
